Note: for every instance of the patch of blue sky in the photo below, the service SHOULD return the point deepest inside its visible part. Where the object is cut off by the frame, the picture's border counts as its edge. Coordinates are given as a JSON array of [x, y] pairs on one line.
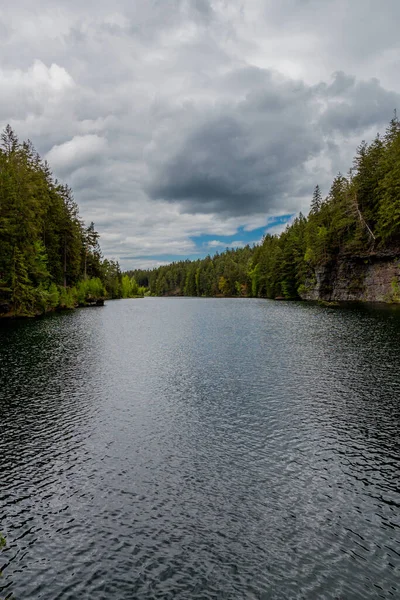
[[210, 244], [214, 243]]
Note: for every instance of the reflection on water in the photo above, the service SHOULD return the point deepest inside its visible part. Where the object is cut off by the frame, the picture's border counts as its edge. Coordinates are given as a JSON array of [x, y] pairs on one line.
[[199, 448]]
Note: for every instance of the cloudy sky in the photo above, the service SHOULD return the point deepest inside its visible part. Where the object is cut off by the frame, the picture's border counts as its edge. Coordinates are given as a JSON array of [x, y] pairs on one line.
[[185, 126]]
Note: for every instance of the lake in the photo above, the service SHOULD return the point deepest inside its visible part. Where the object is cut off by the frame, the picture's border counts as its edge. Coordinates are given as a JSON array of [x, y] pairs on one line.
[[188, 448]]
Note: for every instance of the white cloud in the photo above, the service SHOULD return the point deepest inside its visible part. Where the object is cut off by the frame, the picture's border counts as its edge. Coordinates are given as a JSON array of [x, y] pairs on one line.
[[78, 152], [27, 92], [215, 244]]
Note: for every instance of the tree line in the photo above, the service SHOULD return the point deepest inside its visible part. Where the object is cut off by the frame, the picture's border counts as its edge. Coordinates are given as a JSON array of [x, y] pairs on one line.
[[360, 217], [49, 258], [225, 274]]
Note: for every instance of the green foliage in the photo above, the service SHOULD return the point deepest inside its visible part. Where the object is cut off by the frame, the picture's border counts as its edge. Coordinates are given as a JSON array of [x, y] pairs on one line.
[[44, 298], [126, 287], [395, 297], [111, 276], [389, 190], [44, 245], [224, 274], [22, 292], [316, 201], [68, 298], [255, 279], [39, 263], [128, 284], [89, 290], [131, 289], [238, 288], [53, 296]]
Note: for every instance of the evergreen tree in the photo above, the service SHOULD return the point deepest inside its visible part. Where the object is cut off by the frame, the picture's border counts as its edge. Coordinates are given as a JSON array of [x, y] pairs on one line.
[[21, 289], [316, 201]]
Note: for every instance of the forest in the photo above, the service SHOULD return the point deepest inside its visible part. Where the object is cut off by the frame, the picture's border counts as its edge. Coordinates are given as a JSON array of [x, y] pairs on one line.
[[359, 217], [49, 258]]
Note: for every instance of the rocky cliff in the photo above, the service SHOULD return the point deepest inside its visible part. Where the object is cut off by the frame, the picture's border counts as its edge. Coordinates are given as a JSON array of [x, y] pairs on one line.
[[369, 278]]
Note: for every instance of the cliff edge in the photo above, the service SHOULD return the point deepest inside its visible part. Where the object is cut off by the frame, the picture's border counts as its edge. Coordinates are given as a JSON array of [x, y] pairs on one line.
[[369, 278]]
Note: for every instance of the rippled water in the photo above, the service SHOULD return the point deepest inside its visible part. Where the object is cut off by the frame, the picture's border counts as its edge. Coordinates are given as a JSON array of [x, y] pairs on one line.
[[200, 448]]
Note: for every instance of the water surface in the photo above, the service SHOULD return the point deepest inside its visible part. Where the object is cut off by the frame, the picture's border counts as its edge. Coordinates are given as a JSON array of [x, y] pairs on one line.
[[201, 449]]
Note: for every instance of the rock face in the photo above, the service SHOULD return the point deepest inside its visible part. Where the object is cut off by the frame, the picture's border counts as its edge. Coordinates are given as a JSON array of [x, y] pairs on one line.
[[361, 279]]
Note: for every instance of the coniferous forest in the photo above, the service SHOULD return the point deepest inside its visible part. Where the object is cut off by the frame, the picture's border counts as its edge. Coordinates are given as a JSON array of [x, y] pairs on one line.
[[48, 257], [360, 217]]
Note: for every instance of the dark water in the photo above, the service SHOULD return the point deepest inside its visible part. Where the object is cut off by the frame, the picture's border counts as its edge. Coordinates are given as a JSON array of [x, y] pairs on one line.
[[189, 448]]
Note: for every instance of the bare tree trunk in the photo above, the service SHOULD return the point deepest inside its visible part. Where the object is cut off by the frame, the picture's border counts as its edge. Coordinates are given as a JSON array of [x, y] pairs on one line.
[[362, 220]]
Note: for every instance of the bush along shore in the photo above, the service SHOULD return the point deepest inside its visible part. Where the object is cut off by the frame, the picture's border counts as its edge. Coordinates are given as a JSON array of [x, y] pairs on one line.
[[347, 248], [49, 259]]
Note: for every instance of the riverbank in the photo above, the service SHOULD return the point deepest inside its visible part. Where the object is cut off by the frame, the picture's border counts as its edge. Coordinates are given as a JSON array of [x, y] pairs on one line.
[[6, 311]]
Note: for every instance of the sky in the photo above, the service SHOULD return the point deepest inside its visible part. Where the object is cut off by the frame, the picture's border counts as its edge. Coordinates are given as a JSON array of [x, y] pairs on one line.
[[188, 126]]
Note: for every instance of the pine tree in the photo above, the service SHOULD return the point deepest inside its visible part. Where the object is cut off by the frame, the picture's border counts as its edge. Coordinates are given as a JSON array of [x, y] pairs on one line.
[[316, 201], [393, 129], [9, 141]]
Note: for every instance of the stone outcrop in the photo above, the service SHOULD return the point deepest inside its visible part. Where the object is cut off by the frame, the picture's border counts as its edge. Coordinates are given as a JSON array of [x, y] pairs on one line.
[[370, 278]]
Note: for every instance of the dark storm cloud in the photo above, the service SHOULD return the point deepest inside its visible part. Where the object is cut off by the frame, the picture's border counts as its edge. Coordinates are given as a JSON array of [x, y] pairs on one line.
[[223, 167], [354, 106], [251, 156]]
